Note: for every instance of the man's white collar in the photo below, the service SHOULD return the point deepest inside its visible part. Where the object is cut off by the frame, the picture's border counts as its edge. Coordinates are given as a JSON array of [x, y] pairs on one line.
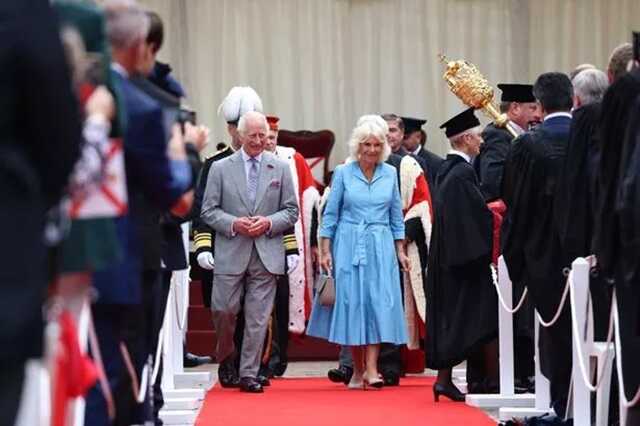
[[246, 157], [466, 157], [557, 114]]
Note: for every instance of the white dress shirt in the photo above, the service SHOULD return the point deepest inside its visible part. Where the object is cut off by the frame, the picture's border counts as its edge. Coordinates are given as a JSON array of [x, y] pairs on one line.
[[247, 163], [461, 154]]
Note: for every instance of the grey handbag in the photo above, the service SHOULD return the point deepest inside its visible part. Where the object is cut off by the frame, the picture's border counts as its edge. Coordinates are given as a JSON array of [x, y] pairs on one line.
[[326, 289]]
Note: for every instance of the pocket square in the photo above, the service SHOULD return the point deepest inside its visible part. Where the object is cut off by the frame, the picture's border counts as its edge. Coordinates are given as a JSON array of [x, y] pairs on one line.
[[274, 184]]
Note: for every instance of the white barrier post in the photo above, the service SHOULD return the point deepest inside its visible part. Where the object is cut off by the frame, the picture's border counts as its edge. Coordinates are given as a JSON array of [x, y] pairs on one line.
[[168, 364], [542, 396], [183, 391], [543, 391], [581, 395], [507, 396], [505, 324]]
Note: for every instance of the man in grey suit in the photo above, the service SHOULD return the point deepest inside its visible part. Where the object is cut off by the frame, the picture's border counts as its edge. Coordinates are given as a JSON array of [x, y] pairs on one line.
[[249, 202]]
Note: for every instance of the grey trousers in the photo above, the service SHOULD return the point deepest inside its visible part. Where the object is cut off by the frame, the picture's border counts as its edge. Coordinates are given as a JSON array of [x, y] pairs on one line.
[[259, 289]]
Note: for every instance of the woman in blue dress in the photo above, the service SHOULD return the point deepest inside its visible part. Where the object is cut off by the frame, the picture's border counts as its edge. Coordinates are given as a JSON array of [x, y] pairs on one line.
[[362, 242]]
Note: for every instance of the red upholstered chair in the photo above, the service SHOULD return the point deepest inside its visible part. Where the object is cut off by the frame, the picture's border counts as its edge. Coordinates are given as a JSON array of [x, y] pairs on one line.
[[315, 147]]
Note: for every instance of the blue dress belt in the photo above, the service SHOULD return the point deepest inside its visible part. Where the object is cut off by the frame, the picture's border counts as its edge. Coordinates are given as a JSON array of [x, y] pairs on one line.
[[362, 228]]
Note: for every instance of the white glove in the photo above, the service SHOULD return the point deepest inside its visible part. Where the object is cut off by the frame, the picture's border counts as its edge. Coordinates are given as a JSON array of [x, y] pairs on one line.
[[292, 262], [205, 260]]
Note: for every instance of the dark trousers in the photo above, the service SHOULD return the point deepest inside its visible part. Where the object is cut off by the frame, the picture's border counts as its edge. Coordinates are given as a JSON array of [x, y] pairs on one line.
[[163, 295], [11, 381], [280, 325], [112, 326], [390, 360], [132, 325]]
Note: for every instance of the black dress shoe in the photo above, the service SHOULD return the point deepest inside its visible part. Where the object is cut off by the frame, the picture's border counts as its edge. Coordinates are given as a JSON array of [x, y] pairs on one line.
[[278, 370], [251, 385], [228, 380], [265, 371], [449, 390], [391, 379], [484, 387], [263, 380], [342, 374], [520, 386], [191, 360], [227, 374]]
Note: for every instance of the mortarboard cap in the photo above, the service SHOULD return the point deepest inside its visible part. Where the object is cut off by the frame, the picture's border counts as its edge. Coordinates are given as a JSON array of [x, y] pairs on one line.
[[412, 124], [516, 93], [464, 121], [273, 122]]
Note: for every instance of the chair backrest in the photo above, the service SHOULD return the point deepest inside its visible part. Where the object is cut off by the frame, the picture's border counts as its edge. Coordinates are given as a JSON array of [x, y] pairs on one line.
[[314, 146]]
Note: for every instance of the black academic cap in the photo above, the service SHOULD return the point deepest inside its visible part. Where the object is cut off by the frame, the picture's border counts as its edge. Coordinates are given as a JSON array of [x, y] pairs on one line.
[[464, 121], [517, 93], [412, 124]]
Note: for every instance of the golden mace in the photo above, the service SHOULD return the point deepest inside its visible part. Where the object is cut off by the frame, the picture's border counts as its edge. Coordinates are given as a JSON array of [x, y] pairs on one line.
[[466, 82]]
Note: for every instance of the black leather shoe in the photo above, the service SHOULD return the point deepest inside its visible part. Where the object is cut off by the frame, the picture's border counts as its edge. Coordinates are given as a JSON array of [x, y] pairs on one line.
[[449, 390], [263, 380], [278, 370], [342, 374], [265, 371], [192, 360], [227, 374], [228, 380], [251, 385], [391, 379]]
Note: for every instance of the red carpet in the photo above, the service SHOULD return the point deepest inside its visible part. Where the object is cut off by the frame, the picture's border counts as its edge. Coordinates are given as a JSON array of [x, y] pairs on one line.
[[318, 402]]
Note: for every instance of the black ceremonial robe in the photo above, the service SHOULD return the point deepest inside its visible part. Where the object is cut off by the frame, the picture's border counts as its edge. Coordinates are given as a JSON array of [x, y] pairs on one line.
[[532, 247], [627, 265], [433, 163], [462, 310], [615, 118], [489, 164], [575, 199]]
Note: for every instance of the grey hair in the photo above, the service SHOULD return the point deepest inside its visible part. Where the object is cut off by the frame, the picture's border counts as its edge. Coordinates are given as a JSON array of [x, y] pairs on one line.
[[455, 139], [590, 85], [127, 23], [249, 116], [75, 52], [369, 126]]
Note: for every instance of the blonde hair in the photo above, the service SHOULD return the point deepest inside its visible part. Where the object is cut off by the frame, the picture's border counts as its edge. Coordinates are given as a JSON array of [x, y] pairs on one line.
[[369, 126]]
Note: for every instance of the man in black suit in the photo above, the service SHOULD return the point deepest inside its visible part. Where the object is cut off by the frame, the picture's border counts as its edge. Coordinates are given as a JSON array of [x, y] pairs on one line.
[[532, 248], [39, 144], [158, 175], [519, 105], [414, 140]]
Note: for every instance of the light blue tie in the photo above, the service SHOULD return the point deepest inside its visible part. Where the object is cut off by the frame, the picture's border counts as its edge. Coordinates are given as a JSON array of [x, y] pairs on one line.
[[252, 180]]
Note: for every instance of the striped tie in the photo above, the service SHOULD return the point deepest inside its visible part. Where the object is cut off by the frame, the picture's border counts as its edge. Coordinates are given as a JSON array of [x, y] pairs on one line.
[[252, 180]]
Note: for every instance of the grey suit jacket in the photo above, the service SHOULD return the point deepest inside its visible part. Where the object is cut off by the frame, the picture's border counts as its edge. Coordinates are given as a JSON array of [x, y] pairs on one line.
[[225, 199]]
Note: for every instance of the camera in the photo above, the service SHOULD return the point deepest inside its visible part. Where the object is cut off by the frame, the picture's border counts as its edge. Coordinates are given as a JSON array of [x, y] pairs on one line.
[[186, 115]]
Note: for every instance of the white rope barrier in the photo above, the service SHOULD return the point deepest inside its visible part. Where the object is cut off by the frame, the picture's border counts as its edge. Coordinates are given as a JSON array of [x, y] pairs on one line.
[[579, 343], [623, 397], [555, 318], [494, 276]]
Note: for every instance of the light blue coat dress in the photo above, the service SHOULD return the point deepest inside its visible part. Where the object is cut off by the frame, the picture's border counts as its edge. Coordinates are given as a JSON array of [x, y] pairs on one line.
[[363, 219]]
